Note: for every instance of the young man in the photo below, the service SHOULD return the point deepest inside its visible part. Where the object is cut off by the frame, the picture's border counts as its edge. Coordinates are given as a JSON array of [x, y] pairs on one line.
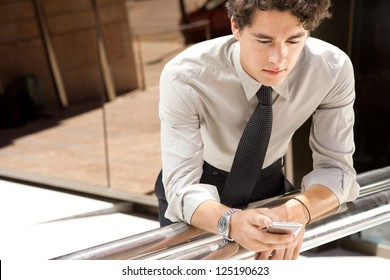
[[208, 94]]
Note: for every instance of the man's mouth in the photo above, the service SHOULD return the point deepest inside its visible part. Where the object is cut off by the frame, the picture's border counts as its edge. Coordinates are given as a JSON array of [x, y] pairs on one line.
[[274, 71]]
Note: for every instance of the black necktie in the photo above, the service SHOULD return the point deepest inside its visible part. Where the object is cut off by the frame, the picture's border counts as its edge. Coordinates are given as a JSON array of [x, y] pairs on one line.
[[251, 150]]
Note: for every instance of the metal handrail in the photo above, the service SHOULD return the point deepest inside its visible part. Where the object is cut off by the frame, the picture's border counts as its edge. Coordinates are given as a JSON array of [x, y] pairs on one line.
[[181, 241]]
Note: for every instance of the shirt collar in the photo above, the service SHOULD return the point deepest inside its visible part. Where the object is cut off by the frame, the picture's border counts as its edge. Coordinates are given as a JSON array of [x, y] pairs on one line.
[[249, 84]]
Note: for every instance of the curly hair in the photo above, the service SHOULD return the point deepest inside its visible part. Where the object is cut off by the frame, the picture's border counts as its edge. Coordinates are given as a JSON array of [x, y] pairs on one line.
[[309, 12]]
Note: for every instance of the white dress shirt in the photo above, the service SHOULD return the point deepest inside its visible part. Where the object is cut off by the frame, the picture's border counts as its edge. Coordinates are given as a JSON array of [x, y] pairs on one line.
[[206, 99]]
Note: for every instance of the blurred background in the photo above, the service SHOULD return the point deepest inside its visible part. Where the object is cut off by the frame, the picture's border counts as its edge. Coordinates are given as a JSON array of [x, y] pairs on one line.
[[79, 90]]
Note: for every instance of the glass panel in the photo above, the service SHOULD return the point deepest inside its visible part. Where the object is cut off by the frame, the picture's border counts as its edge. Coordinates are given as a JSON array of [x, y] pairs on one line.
[[53, 125], [133, 125], [371, 57], [51, 116]]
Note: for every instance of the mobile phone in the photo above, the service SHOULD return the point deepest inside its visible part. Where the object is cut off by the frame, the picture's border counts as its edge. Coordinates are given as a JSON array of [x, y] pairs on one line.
[[285, 228]]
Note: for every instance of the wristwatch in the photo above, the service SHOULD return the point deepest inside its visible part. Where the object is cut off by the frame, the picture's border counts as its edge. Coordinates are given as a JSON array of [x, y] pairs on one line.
[[224, 223]]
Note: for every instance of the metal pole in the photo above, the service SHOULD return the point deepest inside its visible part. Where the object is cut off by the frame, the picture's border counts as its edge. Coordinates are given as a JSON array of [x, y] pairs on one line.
[[181, 241]]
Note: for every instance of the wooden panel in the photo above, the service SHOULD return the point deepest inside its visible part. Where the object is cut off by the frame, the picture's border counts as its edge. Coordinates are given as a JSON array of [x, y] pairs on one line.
[[108, 2], [61, 6], [120, 55], [17, 10], [110, 14], [32, 59], [8, 64], [117, 41], [72, 28], [71, 22], [83, 84], [73, 33], [122, 75], [76, 50], [16, 31]]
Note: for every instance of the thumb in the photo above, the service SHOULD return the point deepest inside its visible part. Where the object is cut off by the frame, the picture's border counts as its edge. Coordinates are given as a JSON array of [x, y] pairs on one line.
[[265, 221]]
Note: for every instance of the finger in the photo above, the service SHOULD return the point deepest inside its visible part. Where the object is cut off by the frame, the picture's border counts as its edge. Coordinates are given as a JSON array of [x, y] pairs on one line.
[[269, 213], [280, 240], [261, 221], [264, 255], [277, 255], [297, 248], [296, 252], [288, 254]]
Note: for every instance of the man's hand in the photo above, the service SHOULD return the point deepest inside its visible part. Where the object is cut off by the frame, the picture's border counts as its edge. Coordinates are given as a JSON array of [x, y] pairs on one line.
[[249, 229], [291, 253]]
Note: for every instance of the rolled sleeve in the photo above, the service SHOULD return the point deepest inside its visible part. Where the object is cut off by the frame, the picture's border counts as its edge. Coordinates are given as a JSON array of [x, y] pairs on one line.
[[342, 184], [181, 149], [332, 141], [190, 197]]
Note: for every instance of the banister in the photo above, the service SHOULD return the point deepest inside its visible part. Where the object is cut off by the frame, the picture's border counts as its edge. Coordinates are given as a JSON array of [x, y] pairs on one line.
[[181, 241]]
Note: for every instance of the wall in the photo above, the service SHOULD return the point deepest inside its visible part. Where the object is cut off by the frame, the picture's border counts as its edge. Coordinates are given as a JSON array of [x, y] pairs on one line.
[[72, 33]]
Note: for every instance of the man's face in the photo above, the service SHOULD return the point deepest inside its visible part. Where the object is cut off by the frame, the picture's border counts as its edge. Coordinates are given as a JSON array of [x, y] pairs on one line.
[[271, 45]]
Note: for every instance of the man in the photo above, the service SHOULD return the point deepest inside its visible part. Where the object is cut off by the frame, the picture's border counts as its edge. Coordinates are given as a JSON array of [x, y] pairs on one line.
[[208, 94]]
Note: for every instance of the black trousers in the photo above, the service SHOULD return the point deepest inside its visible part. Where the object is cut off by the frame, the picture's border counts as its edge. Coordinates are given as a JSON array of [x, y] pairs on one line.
[[273, 183]]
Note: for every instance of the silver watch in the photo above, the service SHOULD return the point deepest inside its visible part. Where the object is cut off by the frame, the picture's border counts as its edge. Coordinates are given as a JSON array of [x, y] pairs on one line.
[[224, 223]]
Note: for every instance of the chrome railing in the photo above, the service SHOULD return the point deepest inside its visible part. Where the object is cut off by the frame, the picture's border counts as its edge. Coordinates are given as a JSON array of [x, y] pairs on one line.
[[181, 241]]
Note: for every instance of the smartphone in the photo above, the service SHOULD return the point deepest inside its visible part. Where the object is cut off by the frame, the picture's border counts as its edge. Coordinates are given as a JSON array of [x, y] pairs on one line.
[[285, 227]]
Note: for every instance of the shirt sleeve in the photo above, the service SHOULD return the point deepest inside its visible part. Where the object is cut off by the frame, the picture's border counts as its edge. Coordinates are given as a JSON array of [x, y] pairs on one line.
[[181, 148], [332, 141]]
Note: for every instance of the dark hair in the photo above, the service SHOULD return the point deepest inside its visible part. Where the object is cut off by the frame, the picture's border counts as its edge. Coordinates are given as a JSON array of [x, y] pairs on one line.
[[309, 12]]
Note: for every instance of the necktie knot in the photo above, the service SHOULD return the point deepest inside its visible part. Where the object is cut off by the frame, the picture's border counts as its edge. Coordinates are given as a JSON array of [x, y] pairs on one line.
[[264, 94]]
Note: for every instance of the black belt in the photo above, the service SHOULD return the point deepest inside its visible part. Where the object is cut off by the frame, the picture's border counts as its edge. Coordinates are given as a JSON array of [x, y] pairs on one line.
[[272, 182]]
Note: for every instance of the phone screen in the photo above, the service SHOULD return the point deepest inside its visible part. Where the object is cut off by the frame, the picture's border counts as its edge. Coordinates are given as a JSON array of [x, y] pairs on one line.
[[284, 228]]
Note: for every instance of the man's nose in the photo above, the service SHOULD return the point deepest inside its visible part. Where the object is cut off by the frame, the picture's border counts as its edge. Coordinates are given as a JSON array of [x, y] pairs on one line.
[[278, 54]]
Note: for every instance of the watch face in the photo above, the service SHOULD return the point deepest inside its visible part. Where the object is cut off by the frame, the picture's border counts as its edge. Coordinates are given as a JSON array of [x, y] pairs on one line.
[[222, 225]]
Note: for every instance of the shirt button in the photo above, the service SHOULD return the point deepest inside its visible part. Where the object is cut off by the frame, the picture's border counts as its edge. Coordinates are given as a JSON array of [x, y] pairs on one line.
[[215, 173]]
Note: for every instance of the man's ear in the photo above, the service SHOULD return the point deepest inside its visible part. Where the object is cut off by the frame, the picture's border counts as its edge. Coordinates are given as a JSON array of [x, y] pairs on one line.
[[235, 29]]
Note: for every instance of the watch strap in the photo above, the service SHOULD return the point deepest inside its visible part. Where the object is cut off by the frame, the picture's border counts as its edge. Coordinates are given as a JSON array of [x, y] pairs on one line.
[[227, 215]]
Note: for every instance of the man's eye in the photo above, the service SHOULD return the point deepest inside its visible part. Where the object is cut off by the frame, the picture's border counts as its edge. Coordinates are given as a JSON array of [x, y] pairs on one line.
[[293, 42], [264, 41]]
